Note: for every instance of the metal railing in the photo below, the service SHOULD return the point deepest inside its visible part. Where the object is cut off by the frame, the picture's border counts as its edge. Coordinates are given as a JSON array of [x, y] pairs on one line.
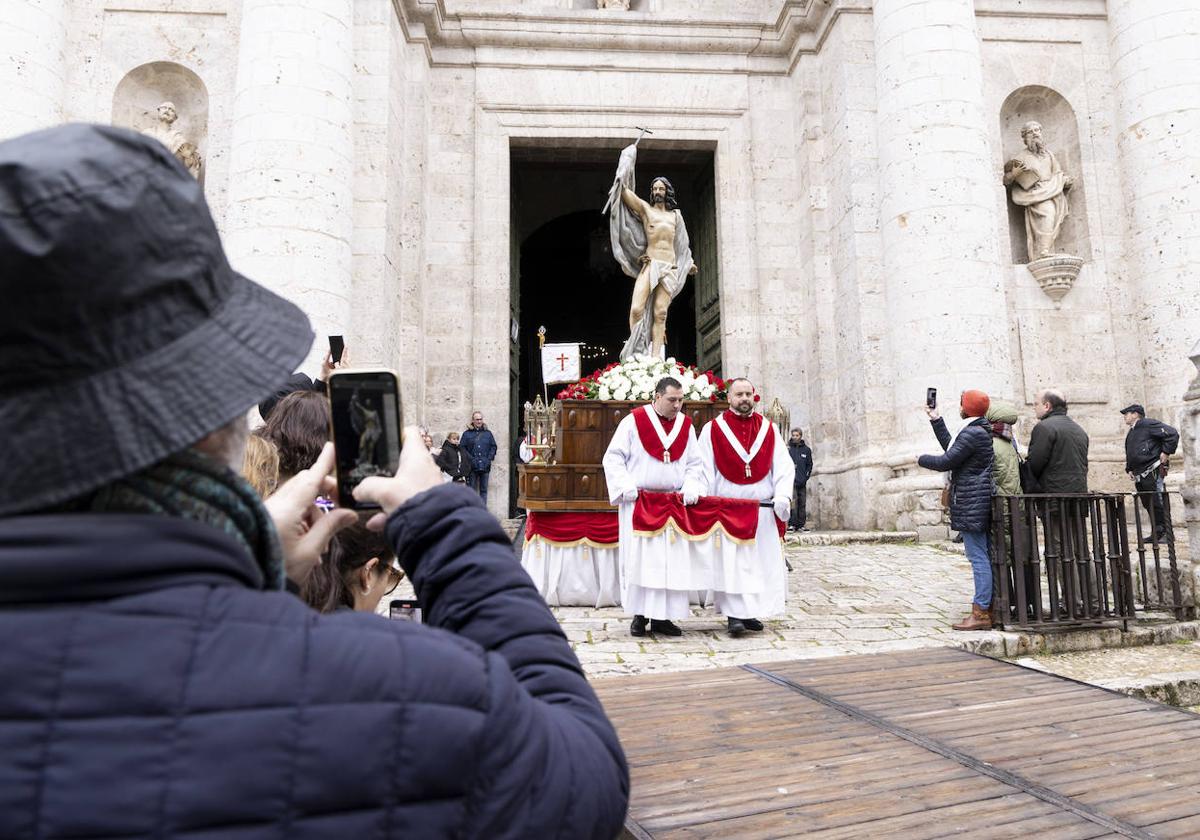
[[1061, 561], [1159, 588]]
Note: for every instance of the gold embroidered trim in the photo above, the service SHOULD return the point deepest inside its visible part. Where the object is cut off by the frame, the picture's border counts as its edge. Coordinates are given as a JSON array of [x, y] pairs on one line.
[[572, 544], [717, 528]]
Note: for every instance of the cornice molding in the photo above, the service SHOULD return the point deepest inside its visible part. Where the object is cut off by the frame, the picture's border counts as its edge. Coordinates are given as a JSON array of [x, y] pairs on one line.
[[634, 41]]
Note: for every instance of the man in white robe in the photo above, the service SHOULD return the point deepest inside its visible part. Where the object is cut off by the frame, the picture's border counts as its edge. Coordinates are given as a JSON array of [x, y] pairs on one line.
[[654, 448], [744, 457]]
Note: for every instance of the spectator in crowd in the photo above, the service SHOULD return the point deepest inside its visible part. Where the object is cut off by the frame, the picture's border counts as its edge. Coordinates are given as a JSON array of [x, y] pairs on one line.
[[177, 689], [481, 446], [1149, 445], [1058, 447], [453, 461], [1006, 464], [299, 427], [355, 574], [1006, 475], [802, 458], [969, 461], [260, 465], [301, 382]]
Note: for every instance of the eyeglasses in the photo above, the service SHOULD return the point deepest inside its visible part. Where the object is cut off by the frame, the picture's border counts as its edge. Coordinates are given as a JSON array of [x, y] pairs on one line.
[[395, 575]]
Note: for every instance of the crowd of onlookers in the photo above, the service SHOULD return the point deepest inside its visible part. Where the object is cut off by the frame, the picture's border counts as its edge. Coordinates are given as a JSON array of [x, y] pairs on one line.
[[984, 461]]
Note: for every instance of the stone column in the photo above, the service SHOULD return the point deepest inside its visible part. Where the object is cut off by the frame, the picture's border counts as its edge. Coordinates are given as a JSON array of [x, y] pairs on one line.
[[937, 219], [947, 324], [1155, 50], [937, 213], [1189, 432], [33, 70], [289, 220]]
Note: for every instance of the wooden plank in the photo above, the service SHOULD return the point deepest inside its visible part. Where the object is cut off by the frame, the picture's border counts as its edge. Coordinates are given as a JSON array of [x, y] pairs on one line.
[[964, 743]]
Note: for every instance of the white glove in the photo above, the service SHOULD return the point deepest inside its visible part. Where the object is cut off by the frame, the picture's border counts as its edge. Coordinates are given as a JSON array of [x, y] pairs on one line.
[[782, 508], [629, 496], [690, 498]]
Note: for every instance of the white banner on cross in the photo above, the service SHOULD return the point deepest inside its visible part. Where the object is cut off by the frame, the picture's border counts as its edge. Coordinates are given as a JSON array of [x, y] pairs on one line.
[[560, 363]]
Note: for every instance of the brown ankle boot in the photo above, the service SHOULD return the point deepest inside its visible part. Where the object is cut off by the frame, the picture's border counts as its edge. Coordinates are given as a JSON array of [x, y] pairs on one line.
[[979, 619]]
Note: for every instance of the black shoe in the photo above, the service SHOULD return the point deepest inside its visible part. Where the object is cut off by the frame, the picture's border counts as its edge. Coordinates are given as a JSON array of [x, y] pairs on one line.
[[752, 624], [666, 628], [957, 538], [736, 628], [638, 626]]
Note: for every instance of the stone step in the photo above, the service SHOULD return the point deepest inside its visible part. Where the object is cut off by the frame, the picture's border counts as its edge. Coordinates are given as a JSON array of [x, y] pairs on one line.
[[1013, 644], [1168, 673]]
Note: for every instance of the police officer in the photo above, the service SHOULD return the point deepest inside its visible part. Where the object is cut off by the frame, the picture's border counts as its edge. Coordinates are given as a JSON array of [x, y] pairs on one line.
[[1149, 445]]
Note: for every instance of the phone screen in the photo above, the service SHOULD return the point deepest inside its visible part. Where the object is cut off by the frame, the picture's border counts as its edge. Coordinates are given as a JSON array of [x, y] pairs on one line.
[[336, 346], [405, 610], [365, 410], [931, 397]]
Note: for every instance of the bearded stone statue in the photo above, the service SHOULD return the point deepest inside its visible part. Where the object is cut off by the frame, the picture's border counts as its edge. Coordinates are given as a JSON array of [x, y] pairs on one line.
[[164, 132], [1039, 185]]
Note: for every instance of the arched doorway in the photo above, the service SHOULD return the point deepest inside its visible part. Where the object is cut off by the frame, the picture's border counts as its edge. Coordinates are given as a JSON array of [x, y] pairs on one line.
[[562, 272]]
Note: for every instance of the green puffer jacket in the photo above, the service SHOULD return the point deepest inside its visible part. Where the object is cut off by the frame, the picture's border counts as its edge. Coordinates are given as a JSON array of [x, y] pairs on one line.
[[1005, 469]]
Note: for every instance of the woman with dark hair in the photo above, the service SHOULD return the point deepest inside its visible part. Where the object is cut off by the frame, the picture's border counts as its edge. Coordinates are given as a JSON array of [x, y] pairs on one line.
[[299, 427], [355, 573]]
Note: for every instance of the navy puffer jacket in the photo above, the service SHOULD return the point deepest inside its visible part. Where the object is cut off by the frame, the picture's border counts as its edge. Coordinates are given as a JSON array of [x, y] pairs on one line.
[[151, 689], [969, 461]]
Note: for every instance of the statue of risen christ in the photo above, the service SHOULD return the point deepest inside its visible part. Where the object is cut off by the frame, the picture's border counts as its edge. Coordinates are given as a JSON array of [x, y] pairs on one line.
[[650, 242]]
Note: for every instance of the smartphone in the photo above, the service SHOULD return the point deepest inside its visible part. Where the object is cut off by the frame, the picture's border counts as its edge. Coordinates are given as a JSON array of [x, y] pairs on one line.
[[336, 346], [931, 397], [405, 609], [364, 409]]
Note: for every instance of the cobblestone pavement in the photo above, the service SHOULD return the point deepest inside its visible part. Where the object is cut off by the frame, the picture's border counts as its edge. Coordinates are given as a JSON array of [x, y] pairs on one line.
[[1169, 673], [842, 599]]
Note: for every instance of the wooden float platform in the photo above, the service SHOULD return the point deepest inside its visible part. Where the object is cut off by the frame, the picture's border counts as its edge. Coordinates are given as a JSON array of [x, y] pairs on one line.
[[918, 744]]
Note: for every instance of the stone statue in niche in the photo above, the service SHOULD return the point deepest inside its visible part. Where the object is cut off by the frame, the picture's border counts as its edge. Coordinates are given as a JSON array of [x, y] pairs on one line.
[[1039, 186], [184, 150], [612, 4]]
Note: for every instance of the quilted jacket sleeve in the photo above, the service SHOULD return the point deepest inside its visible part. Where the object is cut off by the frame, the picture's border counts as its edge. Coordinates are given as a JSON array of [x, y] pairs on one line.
[[550, 764], [957, 453]]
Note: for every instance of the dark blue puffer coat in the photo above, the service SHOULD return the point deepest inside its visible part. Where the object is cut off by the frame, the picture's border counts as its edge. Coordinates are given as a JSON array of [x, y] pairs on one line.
[[151, 689], [969, 462]]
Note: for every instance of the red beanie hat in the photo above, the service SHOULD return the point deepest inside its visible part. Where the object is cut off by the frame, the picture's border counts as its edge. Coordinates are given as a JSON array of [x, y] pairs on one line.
[[975, 403]]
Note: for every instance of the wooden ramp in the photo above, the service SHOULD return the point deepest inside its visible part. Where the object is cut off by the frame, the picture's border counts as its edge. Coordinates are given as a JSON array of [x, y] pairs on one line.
[[920, 744]]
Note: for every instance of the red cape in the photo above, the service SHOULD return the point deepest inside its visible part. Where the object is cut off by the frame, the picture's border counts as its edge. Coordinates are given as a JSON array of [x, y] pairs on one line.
[[649, 437], [745, 429]]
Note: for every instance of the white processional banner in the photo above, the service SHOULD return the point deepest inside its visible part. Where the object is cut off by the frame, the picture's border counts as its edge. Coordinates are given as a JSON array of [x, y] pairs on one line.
[[560, 363]]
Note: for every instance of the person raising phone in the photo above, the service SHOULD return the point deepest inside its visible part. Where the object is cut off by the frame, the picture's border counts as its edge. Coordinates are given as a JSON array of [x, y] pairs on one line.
[[158, 679]]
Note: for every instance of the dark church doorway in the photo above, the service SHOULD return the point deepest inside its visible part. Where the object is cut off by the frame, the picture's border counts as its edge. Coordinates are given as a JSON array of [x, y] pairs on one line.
[[563, 275]]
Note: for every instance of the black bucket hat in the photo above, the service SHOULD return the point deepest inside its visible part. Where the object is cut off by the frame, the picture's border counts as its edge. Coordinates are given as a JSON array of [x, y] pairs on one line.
[[124, 334]]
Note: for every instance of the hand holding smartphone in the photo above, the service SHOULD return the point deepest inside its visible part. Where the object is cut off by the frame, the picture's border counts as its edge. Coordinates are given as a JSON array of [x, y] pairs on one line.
[[365, 420], [931, 397], [336, 347], [405, 609]]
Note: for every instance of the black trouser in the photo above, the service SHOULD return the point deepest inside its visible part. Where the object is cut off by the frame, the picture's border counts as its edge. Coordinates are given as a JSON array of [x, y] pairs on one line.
[[798, 517], [1147, 487]]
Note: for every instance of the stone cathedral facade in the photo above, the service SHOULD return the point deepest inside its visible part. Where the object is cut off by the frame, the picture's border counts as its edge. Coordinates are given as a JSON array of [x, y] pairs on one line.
[[425, 177]]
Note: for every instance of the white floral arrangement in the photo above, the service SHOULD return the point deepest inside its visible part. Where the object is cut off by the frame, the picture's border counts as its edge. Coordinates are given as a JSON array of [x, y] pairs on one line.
[[635, 380]]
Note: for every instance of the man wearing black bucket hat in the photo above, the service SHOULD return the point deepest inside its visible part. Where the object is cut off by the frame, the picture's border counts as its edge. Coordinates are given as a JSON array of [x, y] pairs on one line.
[[158, 680]]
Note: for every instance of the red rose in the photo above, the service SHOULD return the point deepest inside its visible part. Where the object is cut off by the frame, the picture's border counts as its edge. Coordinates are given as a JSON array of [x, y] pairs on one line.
[[756, 397]]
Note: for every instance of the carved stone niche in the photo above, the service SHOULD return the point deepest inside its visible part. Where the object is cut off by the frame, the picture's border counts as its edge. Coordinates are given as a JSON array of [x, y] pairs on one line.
[[144, 89], [1058, 229]]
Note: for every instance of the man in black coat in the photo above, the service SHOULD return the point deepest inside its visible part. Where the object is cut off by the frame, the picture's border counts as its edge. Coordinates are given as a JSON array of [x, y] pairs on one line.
[[1058, 447], [969, 461], [158, 678], [802, 458], [1149, 445]]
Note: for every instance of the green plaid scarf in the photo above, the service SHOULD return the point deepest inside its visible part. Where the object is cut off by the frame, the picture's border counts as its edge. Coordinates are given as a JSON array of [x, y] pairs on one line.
[[193, 486]]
